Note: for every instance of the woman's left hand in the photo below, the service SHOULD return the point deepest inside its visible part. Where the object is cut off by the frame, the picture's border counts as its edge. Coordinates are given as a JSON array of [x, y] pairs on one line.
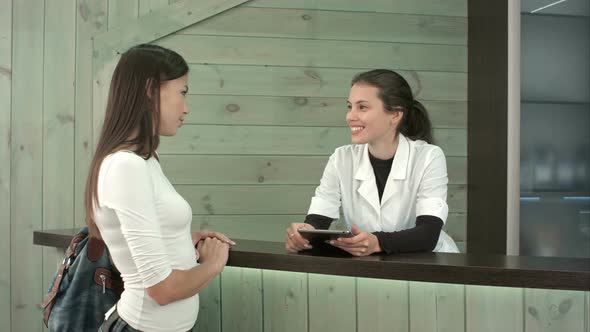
[[203, 234], [361, 244]]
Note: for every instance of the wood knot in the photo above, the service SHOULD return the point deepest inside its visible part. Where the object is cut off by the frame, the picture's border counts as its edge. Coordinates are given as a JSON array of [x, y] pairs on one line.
[[4, 71], [306, 17], [83, 10], [565, 306], [209, 208], [232, 108], [533, 312], [260, 179], [300, 101], [312, 74], [63, 119], [418, 86]]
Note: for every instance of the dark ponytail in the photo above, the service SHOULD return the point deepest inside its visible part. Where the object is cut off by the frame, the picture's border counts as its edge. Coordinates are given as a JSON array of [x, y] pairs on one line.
[[396, 95], [416, 124]]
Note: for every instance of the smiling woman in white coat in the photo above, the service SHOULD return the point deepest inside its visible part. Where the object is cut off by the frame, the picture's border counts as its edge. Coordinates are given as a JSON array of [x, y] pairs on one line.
[[391, 183]]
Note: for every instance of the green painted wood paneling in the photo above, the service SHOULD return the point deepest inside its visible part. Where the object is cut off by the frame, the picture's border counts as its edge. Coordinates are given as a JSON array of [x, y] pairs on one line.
[[241, 300], [335, 25], [58, 112], [271, 199], [452, 141], [285, 301], [317, 53], [300, 111], [263, 169], [248, 227], [490, 309], [257, 140], [243, 93], [332, 303], [108, 45], [209, 318], [424, 7], [279, 101], [244, 199], [58, 123], [120, 15], [91, 18], [457, 170], [149, 27], [26, 163], [382, 305], [554, 310], [121, 12], [101, 79], [5, 156], [436, 307], [255, 169], [462, 246], [149, 6], [456, 227], [587, 311], [313, 82]]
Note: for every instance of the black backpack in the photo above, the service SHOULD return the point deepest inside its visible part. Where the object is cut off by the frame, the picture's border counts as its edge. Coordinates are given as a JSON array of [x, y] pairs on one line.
[[85, 287]]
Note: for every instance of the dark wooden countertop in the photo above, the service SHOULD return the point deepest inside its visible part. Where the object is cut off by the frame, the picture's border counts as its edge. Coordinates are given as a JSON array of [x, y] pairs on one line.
[[492, 270]]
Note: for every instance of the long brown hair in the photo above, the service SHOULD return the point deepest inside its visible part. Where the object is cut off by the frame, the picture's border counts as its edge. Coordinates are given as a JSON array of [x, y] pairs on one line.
[[133, 108]]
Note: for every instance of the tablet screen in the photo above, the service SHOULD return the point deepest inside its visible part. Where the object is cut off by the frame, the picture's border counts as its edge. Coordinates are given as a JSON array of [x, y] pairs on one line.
[[322, 235]]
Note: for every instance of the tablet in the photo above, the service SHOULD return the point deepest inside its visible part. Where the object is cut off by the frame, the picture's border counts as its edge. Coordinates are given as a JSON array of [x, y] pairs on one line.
[[316, 235]]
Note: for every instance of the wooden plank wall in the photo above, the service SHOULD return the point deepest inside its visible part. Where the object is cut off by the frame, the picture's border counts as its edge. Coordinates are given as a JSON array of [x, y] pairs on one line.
[[46, 130], [58, 122], [267, 109], [5, 157], [267, 105], [268, 85], [270, 98], [26, 170]]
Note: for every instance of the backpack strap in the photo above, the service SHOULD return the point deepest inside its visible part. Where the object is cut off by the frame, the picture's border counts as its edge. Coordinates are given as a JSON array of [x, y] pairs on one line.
[[96, 248], [65, 265]]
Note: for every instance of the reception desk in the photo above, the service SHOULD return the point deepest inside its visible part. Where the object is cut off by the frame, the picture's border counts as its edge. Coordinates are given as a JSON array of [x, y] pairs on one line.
[[264, 288], [468, 269]]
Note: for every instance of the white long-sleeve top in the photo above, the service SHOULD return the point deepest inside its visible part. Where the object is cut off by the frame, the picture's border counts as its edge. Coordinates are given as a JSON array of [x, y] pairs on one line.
[[145, 224]]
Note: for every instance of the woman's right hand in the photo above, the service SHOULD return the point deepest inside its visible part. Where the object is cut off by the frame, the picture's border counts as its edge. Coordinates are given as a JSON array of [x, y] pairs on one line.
[[213, 251], [294, 242]]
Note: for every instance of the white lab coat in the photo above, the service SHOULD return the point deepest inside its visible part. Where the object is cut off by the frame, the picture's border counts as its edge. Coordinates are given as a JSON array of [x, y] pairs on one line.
[[417, 185]]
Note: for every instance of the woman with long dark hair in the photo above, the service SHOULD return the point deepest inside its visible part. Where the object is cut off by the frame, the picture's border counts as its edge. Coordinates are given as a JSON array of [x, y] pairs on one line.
[[132, 206], [391, 183]]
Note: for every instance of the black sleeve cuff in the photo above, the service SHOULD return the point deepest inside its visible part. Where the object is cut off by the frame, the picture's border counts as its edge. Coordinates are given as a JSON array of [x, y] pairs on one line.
[[422, 238], [318, 221]]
